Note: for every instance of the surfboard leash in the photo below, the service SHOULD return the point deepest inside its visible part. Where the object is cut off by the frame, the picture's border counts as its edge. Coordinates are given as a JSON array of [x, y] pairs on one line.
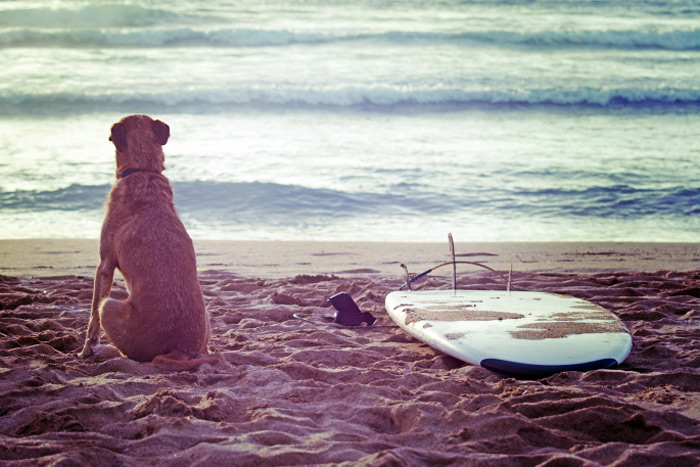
[[454, 263], [410, 280], [307, 317], [348, 314]]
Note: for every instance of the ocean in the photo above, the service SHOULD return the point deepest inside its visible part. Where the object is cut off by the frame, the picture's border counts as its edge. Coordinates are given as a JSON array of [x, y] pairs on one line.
[[540, 120]]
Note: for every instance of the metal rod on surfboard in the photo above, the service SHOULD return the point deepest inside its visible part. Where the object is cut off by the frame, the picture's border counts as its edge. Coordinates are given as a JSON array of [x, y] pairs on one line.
[[510, 276], [454, 264], [408, 276]]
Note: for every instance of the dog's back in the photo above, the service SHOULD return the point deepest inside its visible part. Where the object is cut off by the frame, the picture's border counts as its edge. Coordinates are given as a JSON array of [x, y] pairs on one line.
[[158, 262]]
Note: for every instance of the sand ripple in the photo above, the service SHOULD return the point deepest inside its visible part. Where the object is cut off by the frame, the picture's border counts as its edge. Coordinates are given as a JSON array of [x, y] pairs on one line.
[[296, 393]]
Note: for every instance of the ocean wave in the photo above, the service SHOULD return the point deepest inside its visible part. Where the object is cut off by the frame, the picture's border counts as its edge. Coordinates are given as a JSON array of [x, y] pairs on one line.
[[377, 97], [100, 35], [90, 17], [245, 202], [71, 198], [257, 202], [688, 39], [161, 37], [619, 201]]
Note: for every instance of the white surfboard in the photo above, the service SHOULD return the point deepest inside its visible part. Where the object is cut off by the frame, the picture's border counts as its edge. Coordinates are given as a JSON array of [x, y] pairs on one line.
[[526, 334]]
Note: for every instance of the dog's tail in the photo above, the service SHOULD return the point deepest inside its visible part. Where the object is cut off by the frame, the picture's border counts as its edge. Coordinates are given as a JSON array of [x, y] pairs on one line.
[[179, 361]]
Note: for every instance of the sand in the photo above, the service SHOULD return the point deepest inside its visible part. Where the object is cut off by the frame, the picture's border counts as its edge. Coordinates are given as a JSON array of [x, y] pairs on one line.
[[296, 393]]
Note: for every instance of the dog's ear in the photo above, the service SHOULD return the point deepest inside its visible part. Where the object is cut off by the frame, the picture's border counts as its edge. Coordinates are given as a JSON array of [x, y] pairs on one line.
[[162, 131], [118, 136]]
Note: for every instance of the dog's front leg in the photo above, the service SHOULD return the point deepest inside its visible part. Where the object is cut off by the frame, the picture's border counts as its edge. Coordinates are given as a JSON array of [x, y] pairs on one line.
[[103, 284]]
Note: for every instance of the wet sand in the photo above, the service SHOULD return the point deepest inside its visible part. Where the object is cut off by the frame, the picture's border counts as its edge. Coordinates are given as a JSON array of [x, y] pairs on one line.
[[295, 393]]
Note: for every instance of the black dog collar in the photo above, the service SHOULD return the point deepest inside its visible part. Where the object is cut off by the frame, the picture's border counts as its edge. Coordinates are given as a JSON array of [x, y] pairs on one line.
[[128, 172]]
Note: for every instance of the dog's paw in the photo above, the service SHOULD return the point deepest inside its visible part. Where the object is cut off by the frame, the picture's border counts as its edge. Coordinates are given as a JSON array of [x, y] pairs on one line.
[[87, 351], [107, 351]]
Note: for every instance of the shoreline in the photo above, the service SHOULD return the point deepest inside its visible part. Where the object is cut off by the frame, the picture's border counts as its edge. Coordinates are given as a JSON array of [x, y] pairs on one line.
[[278, 259]]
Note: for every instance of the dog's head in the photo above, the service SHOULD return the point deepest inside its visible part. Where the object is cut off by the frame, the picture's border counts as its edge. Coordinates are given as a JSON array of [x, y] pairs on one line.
[[139, 140]]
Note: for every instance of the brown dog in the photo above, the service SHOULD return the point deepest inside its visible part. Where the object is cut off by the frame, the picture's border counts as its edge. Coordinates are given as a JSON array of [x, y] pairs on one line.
[[163, 320]]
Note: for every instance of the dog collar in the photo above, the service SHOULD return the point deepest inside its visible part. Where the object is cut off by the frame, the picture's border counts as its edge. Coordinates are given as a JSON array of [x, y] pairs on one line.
[[128, 172]]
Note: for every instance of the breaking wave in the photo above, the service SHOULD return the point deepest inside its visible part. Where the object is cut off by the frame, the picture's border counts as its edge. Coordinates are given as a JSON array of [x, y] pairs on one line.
[[133, 30], [379, 97]]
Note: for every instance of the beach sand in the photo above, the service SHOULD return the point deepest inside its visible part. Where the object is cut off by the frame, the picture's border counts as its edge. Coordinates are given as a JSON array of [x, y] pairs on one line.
[[296, 393]]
